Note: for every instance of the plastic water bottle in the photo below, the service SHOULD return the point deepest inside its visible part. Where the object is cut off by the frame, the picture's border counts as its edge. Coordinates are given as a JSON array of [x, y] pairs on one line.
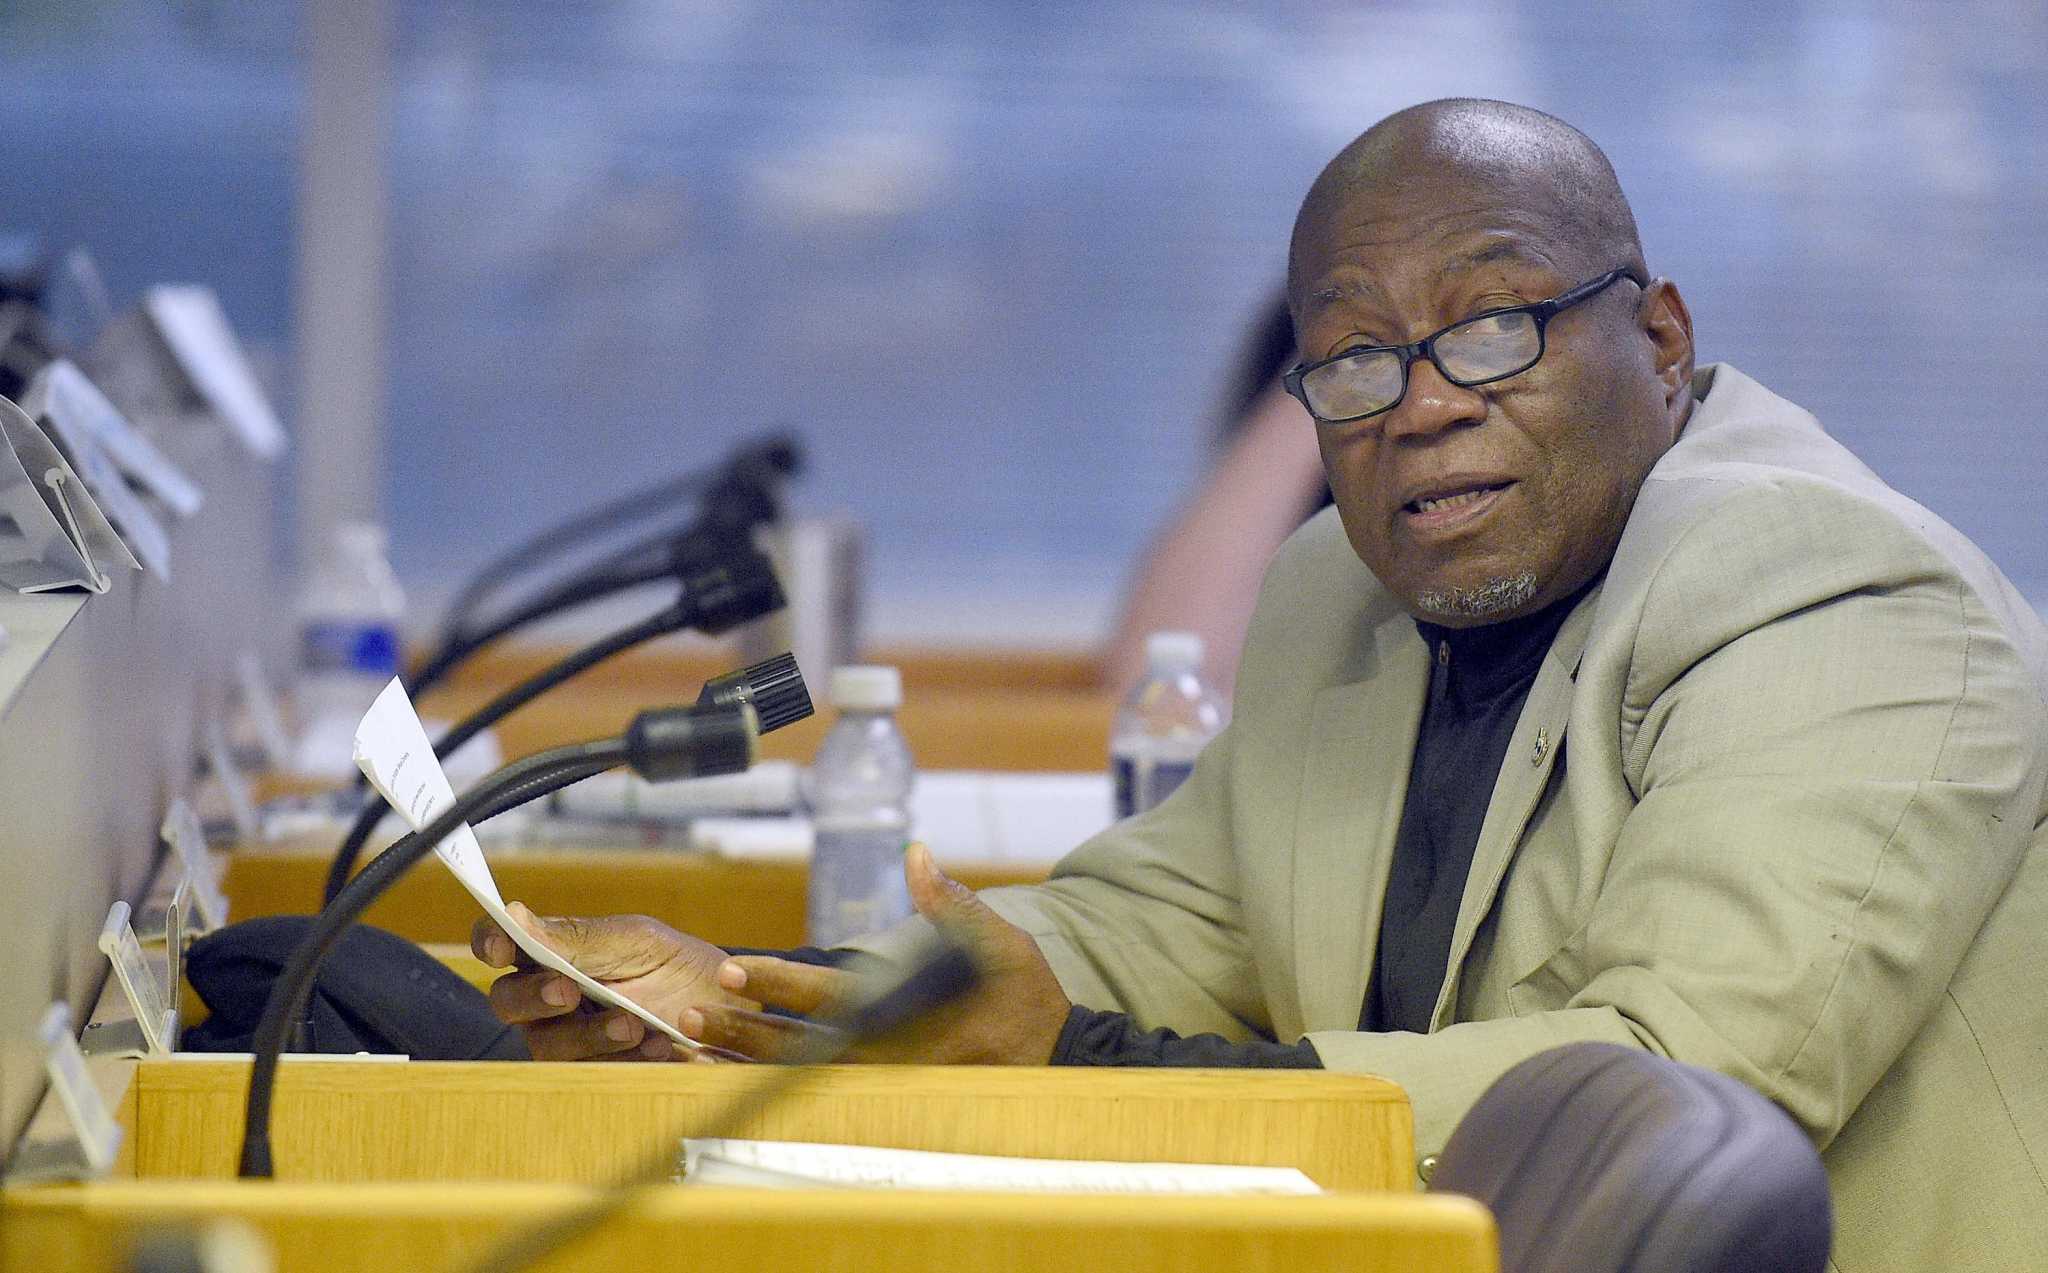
[[348, 646], [1164, 724], [858, 791]]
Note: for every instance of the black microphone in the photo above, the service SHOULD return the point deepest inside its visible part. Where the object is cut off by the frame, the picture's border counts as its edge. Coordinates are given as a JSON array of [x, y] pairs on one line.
[[943, 973], [720, 590], [742, 492], [774, 686], [678, 742]]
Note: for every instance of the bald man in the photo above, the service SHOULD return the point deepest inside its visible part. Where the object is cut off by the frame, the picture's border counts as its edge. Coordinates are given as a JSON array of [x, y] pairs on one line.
[[1613, 701]]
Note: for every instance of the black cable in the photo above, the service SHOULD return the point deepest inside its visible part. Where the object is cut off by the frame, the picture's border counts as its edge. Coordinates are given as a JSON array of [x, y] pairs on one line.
[[762, 463], [551, 542], [522, 793], [529, 791], [668, 619], [722, 585], [643, 563], [294, 986]]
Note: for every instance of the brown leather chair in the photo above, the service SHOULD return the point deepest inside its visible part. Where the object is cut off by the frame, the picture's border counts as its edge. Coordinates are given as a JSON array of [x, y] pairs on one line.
[[1597, 1158]]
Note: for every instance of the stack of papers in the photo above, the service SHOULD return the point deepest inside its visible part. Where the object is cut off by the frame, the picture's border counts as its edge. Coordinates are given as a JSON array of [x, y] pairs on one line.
[[799, 1165]]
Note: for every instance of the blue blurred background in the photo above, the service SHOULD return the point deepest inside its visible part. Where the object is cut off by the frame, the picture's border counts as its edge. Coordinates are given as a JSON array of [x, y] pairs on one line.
[[994, 260]]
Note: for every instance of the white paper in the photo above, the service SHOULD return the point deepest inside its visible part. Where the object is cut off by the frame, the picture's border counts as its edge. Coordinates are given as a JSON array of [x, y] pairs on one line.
[[795, 1163], [394, 754], [193, 325], [1023, 818]]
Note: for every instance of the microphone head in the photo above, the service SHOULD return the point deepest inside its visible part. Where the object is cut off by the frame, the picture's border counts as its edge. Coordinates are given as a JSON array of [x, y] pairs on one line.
[[774, 686], [945, 972], [777, 455], [723, 590], [748, 491], [740, 501], [691, 742]]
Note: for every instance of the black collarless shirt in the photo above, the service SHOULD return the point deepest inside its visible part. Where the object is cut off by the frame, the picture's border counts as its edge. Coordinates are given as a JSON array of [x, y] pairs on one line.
[[1479, 680]]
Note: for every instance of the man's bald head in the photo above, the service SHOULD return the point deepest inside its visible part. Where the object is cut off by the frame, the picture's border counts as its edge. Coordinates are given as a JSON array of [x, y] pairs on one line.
[[1552, 171], [1477, 497]]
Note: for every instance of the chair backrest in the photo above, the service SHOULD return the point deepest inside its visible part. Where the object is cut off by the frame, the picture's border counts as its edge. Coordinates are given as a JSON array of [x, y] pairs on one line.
[[1598, 1158]]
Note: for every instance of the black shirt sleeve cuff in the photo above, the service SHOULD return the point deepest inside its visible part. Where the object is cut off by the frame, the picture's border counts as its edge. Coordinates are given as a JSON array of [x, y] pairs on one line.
[[1112, 1038]]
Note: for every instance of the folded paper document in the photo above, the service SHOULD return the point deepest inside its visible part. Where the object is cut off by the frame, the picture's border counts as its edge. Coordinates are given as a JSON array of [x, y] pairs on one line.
[[394, 754], [798, 1165]]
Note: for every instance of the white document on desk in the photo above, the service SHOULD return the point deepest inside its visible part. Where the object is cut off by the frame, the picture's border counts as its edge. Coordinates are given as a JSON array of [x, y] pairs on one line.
[[796, 1164], [394, 754]]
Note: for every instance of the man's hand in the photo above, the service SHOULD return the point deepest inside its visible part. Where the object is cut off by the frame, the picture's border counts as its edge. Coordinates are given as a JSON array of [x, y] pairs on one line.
[[1013, 1016], [662, 970]]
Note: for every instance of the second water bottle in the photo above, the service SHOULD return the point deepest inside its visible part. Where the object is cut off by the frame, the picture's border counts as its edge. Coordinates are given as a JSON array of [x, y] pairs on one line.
[[858, 790]]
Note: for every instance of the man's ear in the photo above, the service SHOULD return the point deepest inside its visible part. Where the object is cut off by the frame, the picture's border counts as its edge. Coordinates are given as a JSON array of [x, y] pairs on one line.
[[1668, 324]]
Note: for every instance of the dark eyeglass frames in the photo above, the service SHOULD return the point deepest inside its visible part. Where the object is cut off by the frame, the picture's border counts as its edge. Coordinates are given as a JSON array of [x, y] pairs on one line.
[[1479, 350]]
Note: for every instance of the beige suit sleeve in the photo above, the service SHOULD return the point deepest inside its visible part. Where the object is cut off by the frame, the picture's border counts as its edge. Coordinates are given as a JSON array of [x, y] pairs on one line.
[[1144, 918], [1835, 752]]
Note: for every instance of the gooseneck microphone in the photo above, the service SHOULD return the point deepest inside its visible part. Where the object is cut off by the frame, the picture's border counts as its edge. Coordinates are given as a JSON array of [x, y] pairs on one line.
[[719, 593], [659, 745], [945, 972], [741, 494]]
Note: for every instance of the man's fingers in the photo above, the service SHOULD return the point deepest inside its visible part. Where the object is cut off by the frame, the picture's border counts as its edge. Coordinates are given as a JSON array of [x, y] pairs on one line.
[[609, 947], [654, 1046], [519, 997], [489, 943], [805, 989], [945, 901], [751, 1034], [583, 1036]]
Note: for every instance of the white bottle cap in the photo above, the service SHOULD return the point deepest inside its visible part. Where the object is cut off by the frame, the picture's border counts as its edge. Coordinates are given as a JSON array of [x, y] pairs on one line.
[[867, 689], [1171, 653]]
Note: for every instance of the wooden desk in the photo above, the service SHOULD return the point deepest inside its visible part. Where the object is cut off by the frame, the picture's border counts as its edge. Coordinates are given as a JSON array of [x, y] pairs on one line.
[[383, 1228], [723, 901], [961, 710], [362, 1121]]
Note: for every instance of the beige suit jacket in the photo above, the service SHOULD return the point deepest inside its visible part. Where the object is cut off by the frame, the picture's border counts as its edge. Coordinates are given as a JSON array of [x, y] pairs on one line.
[[1774, 806]]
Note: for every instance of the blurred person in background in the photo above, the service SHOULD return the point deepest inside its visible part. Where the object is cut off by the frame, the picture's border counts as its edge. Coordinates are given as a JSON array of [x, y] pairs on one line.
[[1201, 572]]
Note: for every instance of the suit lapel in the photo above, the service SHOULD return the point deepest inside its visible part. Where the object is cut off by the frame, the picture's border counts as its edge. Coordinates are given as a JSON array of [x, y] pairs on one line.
[[1525, 772], [1361, 736]]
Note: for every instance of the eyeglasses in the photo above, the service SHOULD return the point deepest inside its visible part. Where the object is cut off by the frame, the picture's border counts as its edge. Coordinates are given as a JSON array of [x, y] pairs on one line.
[[1478, 350]]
